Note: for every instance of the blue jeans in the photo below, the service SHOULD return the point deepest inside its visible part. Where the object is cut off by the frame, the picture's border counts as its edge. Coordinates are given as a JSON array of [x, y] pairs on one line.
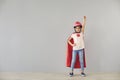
[[80, 53]]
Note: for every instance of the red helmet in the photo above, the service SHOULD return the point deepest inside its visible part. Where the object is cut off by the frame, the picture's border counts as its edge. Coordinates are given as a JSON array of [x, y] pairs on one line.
[[77, 23]]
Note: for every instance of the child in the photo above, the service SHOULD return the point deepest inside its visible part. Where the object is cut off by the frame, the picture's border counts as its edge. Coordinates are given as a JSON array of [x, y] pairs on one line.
[[75, 52]]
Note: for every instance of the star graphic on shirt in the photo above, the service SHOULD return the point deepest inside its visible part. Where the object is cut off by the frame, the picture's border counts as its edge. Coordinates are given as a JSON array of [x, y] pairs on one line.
[[78, 35]]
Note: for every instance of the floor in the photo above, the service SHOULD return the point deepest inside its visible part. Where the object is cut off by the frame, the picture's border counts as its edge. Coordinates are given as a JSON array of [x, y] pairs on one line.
[[56, 76]]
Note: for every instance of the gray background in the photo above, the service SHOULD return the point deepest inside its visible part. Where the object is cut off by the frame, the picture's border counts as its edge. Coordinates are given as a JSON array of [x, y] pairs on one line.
[[33, 34]]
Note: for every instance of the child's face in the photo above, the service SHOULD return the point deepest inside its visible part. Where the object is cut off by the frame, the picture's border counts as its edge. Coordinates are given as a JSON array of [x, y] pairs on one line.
[[77, 29]]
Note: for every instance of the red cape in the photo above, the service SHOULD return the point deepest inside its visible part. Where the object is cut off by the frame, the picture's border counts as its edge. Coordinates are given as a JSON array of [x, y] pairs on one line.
[[69, 57]]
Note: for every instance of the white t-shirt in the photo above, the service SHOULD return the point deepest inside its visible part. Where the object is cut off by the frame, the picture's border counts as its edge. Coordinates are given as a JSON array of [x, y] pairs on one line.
[[78, 39]]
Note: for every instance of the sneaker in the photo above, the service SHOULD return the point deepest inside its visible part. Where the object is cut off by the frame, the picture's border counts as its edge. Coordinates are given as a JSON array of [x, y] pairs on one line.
[[83, 74], [71, 74]]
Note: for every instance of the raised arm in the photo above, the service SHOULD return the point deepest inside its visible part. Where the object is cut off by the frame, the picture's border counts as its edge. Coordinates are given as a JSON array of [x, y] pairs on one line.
[[84, 23]]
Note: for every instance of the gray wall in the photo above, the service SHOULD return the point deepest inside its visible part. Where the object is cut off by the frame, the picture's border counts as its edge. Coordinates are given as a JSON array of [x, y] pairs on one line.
[[33, 34]]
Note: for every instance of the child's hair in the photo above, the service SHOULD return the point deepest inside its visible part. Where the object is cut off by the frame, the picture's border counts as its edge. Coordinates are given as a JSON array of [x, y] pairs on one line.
[[78, 26]]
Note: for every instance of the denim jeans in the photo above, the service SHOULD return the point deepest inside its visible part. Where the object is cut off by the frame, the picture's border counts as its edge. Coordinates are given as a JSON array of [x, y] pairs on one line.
[[74, 54]]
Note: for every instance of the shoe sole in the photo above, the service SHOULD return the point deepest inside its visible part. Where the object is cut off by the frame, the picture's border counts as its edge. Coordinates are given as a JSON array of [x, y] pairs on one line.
[[83, 75]]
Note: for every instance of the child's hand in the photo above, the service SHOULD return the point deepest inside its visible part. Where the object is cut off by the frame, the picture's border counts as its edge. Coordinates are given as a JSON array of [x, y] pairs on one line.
[[73, 44], [84, 17]]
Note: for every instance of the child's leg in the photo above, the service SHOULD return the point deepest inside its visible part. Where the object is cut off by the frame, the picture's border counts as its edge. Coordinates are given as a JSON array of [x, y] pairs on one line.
[[81, 60], [74, 53]]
